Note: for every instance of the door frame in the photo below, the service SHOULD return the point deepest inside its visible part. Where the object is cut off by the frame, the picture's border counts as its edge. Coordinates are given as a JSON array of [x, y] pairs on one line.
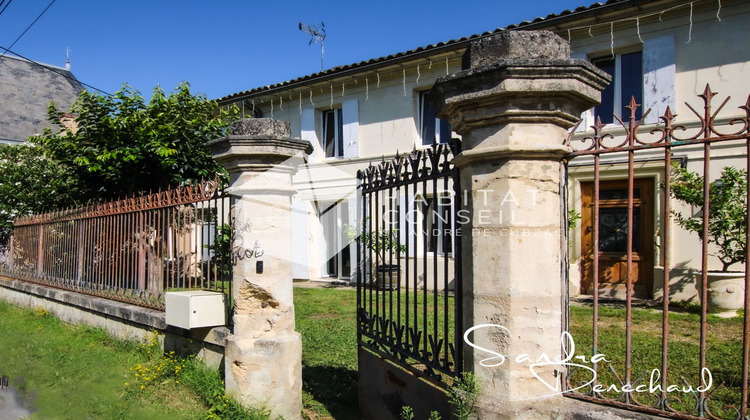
[[643, 260]]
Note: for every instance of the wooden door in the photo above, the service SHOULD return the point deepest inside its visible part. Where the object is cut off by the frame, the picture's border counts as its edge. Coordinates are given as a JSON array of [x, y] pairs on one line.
[[613, 234]]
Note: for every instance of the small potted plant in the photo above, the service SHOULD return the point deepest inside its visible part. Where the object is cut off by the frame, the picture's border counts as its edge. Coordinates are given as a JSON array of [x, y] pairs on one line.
[[383, 243], [727, 227]]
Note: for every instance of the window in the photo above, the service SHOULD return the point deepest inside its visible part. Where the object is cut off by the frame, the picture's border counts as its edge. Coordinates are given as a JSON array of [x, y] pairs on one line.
[[333, 133], [431, 129], [627, 80], [438, 224]]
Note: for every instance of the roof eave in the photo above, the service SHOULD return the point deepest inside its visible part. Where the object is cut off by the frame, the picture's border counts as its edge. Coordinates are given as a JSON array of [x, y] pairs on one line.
[[555, 21]]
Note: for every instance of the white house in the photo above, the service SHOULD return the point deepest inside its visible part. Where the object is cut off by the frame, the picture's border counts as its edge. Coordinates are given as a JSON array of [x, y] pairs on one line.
[[662, 52]]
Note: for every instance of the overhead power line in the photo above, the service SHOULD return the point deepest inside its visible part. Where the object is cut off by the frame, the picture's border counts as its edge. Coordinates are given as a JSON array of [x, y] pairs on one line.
[[61, 73], [28, 27], [6, 6]]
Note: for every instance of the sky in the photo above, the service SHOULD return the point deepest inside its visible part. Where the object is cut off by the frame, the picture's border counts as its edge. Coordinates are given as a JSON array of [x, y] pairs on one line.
[[226, 46]]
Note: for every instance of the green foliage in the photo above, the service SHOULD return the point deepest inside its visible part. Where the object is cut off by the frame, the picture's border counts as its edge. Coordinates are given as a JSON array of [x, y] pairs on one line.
[[160, 369], [382, 241], [124, 145], [727, 222], [573, 218], [208, 385], [407, 413], [463, 395], [222, 249], [31, 182]]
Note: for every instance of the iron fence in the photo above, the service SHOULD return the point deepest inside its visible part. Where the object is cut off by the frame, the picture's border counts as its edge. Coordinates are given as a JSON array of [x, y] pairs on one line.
[[660, 363], [132, 250], [409, 286]]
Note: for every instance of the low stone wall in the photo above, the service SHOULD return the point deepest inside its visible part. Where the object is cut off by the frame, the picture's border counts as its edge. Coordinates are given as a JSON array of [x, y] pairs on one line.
[[121, 320]]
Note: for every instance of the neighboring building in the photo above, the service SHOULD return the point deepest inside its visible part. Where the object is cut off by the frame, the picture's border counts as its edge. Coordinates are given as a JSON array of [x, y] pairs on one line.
[[663, 52], [26, 90]]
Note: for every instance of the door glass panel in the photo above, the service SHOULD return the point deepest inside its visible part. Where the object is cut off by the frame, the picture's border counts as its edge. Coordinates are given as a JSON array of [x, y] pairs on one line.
[[613, 229]]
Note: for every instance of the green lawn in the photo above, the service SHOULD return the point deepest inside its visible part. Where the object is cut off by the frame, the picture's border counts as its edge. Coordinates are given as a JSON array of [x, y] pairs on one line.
[[326, 319], [73, 372], [723, 354], [79, 373]]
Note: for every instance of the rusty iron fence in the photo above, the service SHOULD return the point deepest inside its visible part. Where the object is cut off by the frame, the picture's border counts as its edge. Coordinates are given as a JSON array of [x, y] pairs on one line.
[[408, 289], [131, 250], [659, 364]]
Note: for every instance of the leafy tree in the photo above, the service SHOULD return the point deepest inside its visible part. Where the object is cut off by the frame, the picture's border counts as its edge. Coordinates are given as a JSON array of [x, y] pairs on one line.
[[123, 145], [727, 219], [31, 182]]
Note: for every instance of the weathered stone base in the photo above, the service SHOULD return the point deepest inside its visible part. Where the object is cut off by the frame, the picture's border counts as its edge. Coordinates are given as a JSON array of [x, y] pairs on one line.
[[257, 369]]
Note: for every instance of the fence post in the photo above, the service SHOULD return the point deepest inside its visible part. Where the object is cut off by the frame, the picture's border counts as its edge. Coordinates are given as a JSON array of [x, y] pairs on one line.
[[79, 238], [513, 102], [40, 252], [11, 254], [263, 356]]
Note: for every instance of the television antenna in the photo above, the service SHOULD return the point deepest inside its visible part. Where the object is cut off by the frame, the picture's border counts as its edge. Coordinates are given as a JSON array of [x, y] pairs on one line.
[[318, 34]]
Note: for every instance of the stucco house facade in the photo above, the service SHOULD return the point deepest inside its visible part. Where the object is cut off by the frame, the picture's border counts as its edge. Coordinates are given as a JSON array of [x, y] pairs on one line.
[[662, 52], [26, 90]]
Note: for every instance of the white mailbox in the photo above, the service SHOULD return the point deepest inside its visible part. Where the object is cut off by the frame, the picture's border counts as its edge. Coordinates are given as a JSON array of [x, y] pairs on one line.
[[195, 309]]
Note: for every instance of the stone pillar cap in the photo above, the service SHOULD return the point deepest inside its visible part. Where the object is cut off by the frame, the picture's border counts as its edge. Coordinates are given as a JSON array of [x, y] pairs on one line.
[[257, 145], [518, 76], [260, 127], [513, 45]]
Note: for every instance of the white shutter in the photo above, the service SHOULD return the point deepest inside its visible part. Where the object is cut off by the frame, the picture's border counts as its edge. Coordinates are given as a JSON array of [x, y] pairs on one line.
[[307, 129], [658, 77], [300, 240], [350, 115]]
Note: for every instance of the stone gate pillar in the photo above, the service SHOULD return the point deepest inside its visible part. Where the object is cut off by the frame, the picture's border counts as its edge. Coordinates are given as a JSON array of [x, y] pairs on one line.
[[513, 102], [263, 355]]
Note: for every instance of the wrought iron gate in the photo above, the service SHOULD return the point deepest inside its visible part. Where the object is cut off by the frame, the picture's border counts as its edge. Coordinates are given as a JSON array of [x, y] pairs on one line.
[[409, 263]]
